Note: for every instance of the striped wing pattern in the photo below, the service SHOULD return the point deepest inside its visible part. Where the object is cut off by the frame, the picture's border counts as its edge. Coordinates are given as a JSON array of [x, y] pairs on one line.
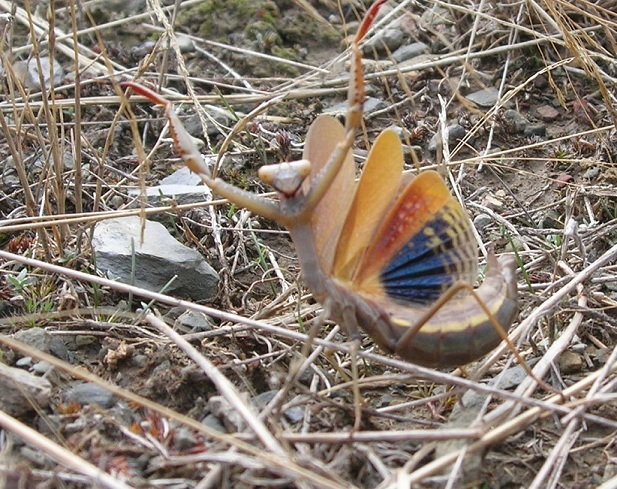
[[433, 259]]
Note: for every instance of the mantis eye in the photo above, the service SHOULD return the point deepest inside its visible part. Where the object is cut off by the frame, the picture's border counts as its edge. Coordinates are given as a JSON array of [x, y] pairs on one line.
[[285, 178]]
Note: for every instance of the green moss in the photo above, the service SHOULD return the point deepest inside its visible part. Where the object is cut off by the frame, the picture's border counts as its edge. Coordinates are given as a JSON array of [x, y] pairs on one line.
[[217, 19]]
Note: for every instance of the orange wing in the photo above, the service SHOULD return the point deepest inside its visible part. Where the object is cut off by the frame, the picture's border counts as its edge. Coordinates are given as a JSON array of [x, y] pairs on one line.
[[374, 194], [424, 245], [328, 216]]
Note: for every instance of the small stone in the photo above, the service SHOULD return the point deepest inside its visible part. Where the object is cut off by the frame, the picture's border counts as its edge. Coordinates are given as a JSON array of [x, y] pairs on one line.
[[218, 115], [41, 340], [42, 368], [89, 393], [212, 422], [183, 176], [386, 41], [456, 133], [515, 244], [436, 16], [294, 414], [194, 321], [372, 104], [570, 362], [139, 360], [410, 51], [547, 113], [492, 202], [481, 221], [22, 391], [116, 202], [162, 194], [511, 378], [153, 263], [184, 438], [262, 400], [227, 414], [532, 130], [83, 340], [24, 362], [484, 98], [185, 43], [516, 119], [591, 173], [27, 73]]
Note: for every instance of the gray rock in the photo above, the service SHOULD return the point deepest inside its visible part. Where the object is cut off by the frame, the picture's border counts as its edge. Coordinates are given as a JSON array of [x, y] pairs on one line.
[[591, 173], [193, 321], [88, 393], [371, 104], [157, 260], [41, 340], [218, 116], [515, 118], [410, 51], [211, 421], [293, 414], [22, 391], [535, 130], [185, 43], [161, 194], [27, 73], [184, 438], [481, 221], [183, 176], [436, 16], [385, 42], [484, 98], [456, 133], [227, 414]]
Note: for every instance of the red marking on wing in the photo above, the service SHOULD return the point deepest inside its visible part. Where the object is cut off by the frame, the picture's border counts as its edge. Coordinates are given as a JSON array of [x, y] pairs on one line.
[[414, 208]]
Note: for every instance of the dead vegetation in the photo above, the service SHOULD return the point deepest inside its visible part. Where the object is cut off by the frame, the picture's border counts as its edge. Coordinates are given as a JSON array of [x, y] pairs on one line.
[[70, 156]]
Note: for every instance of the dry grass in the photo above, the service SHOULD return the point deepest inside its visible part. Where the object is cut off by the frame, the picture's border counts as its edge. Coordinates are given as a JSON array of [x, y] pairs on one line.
[[484, 426]]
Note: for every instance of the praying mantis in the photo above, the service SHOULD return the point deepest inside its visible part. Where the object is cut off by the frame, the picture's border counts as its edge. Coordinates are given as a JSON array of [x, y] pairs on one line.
[[396, 260]]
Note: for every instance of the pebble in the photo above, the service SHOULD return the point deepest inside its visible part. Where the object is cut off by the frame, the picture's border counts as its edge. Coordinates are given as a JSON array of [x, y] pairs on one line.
[[484, 98], [27, 73], [184, 438], [41, 340], [42, 368], [436, 16], [591, 173], [534, 130], [21, 391], [570, 362], [547, 113], [212, 422], [519, 121], [293, 414], [89, 393], [386, 41], [194, 321], [481, 221], [456, 132], [410, 51], [185, 43], [183, 176], [227, 414]]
